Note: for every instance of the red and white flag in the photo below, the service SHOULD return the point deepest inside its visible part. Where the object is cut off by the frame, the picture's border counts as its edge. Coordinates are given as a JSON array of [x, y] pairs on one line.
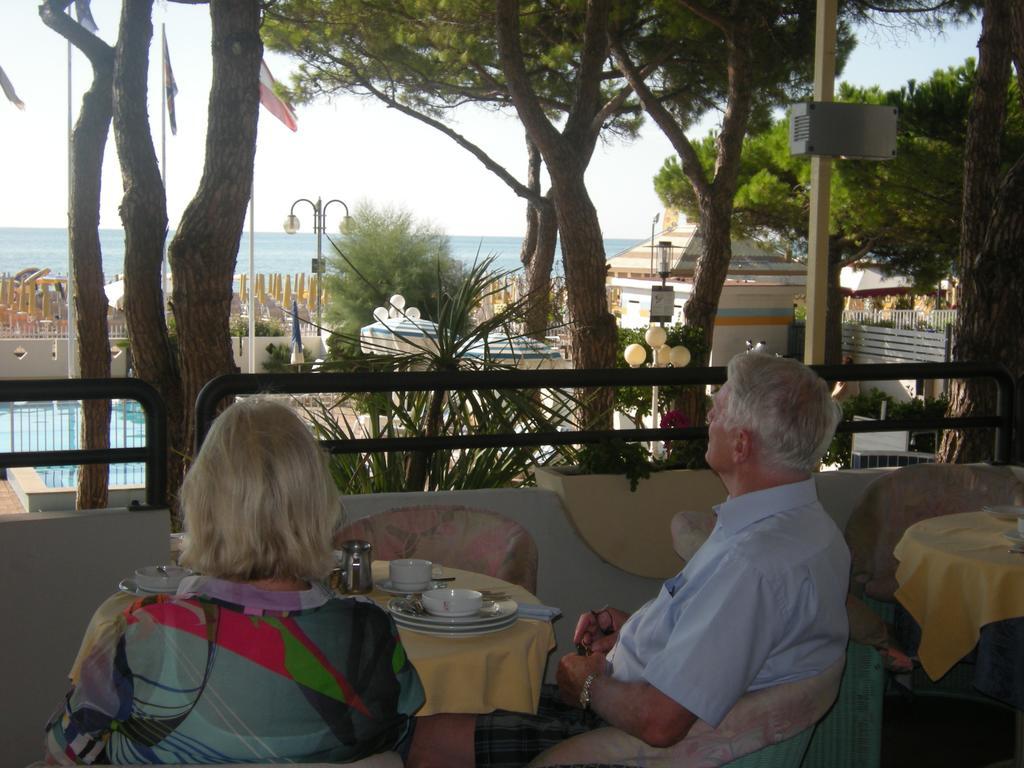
[[277, 106], [8, 89], [170, 89]]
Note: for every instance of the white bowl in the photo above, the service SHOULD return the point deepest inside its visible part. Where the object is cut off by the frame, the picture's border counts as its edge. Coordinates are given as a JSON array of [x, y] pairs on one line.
[[160, 578], [452, 602], [410, 573]]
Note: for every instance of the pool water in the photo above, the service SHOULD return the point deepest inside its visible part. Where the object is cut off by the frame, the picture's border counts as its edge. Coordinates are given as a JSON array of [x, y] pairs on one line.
[[56, 425]]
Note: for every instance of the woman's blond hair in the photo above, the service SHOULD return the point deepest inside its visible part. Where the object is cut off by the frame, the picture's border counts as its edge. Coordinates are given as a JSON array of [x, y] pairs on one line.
[[259, 501]]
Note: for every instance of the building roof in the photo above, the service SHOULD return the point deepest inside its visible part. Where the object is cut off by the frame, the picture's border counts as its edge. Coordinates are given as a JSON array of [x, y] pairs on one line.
[[750, 259]]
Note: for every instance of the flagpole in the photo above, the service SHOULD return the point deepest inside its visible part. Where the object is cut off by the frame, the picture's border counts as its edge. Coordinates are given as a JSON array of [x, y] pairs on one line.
[[252, 278], [72, 354], [163, 154]]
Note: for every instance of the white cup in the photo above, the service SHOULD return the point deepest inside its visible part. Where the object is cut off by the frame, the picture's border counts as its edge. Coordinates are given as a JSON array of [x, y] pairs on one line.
[[410, 573], [1020, 525]]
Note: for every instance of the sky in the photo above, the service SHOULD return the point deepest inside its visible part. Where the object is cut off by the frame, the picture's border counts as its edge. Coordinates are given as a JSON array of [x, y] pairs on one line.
[[350, 149]]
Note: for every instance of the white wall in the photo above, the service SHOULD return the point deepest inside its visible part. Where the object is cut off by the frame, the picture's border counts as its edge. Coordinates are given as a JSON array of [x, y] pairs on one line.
[[55, 570], [39, 361]]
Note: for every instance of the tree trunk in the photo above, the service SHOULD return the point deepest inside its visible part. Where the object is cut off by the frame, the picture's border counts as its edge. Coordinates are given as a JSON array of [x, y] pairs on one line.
[[205, 246], [989, 281], [712, 265], [834, 307], [88, 144], [144, 214], [538, 251], [538, 273], [566, 155]]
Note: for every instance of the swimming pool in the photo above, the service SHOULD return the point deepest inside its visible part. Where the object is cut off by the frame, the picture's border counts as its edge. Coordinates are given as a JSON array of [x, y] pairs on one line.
[[56, 426]]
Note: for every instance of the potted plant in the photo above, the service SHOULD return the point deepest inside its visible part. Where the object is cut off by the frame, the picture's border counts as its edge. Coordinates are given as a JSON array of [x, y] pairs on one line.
[[621, 500]]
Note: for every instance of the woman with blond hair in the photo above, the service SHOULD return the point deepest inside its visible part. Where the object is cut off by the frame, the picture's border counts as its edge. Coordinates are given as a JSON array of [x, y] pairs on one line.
[[253, 660]]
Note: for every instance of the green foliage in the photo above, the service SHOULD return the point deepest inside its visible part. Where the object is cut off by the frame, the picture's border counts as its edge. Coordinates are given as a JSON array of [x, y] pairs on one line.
[[616, 457], [386, 251], [412, 414], [240, 327], [635, 402], [280, 360], [900, 214], [869, 405]]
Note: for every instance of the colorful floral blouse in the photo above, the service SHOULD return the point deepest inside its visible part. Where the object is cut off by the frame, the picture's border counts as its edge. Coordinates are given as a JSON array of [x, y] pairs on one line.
[[227, 672]]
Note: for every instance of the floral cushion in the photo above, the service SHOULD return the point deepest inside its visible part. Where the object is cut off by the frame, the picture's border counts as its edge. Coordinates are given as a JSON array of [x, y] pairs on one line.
[[758, 719], [690, 529], [895, 501], [457, 536]]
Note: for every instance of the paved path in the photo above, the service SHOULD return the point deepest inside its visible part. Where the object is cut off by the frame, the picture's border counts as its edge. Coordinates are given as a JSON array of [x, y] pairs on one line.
[[9, 503]]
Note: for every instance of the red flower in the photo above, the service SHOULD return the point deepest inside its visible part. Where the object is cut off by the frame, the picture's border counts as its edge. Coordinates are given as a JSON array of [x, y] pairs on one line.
[[674, 420]]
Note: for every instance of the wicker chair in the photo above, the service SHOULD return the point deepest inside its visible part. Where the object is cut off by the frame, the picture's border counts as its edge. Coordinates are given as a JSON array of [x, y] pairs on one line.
[[769, 728], [850, 735], [457, 536]]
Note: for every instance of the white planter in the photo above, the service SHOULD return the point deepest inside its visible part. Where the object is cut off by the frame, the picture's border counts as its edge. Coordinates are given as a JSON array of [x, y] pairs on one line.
[[632, 529]]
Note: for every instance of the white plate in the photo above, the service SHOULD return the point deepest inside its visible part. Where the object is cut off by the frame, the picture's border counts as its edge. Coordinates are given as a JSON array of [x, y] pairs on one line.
[[386, 585], [1004, 511], [1014, 536], [491, 613], [457, 632], [132, 588]]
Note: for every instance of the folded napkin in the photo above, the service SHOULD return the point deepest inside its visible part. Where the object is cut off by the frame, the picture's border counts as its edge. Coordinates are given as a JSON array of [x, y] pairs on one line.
[[542, 612]]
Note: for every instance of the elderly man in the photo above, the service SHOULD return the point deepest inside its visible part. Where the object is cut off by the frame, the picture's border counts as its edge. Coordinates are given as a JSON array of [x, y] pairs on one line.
[[761, 603]]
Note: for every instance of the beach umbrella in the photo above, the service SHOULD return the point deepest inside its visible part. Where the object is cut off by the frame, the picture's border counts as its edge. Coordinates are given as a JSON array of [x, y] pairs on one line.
[[297, 356], [286, 297], [397, 335], [243, 285], [516, 351]]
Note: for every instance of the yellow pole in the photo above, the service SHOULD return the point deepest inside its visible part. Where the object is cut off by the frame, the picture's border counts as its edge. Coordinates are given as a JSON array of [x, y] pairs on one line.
[[821, 178]]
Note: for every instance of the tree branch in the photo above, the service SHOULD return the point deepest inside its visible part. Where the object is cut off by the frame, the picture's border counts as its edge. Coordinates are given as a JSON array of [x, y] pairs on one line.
[[518, 187], [510, 53], [95, 49], [692, 168]]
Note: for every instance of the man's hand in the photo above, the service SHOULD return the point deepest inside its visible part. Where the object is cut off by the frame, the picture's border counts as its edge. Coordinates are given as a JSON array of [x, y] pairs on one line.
[[598, 630], [573, 670]]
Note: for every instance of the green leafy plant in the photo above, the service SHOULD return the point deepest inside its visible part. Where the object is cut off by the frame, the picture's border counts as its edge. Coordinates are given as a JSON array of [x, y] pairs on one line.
[[240, 327], [280, 360], [616, 457], [436, 413], [869, 404]]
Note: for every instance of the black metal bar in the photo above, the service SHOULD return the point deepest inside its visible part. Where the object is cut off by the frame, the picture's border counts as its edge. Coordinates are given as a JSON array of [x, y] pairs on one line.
[[154, 454], [245, 384]]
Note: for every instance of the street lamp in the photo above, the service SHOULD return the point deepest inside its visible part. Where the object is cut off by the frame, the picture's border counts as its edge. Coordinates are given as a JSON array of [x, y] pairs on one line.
[[291, 226], [662, 355]]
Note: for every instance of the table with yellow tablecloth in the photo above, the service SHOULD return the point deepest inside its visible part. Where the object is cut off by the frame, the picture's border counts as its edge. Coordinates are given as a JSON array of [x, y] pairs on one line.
[[956, 575], [500, 670]]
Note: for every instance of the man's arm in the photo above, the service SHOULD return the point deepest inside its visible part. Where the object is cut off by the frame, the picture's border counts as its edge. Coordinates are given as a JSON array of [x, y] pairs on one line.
[[639, 709]]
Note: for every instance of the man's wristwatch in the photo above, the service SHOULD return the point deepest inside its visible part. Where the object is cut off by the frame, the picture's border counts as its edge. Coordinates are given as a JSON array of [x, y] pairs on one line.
[[585, 691]]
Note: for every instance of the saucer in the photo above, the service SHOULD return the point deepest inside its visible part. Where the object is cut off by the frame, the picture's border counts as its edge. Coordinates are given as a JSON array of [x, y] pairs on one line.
[[1004, 511], [1014, 536], [386, 585], [131, 587]]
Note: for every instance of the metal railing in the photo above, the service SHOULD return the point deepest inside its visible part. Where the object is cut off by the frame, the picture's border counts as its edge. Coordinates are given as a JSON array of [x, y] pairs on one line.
[[1007, 422], [153, 453], [1003, 421]]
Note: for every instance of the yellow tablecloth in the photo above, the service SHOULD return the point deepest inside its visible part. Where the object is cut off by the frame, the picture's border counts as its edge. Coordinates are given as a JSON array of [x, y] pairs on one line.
[[501, 670], [956, 575]]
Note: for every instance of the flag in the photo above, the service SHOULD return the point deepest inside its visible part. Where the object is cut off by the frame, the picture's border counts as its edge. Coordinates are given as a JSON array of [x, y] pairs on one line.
[[278, 107], [8, 90], [297, 356], [170, 88], [85, 16]]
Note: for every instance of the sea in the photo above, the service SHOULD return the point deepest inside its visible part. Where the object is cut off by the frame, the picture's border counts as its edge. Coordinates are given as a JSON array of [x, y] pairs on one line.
[[275, 252]]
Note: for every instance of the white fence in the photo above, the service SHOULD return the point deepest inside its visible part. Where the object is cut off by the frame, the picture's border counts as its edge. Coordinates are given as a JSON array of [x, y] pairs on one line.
[[913, 319], [873, 343]]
